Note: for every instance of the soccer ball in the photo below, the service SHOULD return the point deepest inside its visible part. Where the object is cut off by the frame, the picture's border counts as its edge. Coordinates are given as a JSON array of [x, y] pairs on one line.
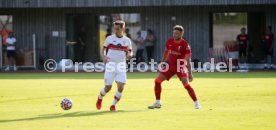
[[66, 104]]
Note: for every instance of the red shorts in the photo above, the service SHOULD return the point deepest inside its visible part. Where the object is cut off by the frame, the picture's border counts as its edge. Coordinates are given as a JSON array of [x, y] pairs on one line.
[[181, 73]]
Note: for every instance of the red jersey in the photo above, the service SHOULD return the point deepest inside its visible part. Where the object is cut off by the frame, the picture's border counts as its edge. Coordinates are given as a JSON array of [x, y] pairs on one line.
[[242, 39], [268, 39], [177, 50]]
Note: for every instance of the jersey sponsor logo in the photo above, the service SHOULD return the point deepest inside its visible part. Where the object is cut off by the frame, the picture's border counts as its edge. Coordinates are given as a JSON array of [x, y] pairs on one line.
[[118, 47], [174, 52], [242, 38]]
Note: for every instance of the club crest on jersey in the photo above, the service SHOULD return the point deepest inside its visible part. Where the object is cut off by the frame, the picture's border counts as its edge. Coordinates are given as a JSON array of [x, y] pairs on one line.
[[179, 48]]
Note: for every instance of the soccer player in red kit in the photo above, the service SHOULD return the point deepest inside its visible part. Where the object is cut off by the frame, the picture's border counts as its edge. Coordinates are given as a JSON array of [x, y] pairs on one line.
[[177, 50]]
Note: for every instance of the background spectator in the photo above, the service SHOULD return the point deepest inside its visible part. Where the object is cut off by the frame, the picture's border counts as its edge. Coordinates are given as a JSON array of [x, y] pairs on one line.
[[149, 42], [128, 34], [108, 32], [268, 39], [242, 40], [80, 46], [139, 41], [10, 41]]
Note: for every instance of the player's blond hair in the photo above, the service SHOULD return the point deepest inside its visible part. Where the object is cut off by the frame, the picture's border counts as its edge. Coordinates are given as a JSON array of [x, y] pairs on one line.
[[179, 28], [121, 23]]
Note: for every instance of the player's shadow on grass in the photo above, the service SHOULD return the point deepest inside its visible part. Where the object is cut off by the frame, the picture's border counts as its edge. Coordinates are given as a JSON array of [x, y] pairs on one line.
[[60, 115]]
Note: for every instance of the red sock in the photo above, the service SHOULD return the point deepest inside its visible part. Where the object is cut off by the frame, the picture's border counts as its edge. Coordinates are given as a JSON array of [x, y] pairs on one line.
[[191, 91], [158, 88]]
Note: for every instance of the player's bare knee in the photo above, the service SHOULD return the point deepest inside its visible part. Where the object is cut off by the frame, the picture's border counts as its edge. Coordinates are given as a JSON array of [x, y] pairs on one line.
[[162, 77], [120, 86], [107, 88], [184, 81], [120, 89]]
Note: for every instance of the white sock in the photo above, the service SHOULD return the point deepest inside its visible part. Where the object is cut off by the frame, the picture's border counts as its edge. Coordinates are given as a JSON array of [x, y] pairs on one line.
[[102, 94], [158, 102], [117, 95]]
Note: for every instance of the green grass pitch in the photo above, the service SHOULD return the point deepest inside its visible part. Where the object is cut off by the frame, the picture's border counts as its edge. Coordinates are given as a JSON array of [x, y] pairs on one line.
[[31, 101]]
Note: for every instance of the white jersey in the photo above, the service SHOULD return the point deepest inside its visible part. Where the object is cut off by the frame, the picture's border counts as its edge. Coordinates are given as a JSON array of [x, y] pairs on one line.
[[117, 48], [10, 43]]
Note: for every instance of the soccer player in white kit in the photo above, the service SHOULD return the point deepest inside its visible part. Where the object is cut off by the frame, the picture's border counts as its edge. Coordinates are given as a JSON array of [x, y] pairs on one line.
[[11, 41], [119, 48]]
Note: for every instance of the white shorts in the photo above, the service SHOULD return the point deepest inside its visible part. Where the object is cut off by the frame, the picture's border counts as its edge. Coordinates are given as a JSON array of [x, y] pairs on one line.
[[118, 73]]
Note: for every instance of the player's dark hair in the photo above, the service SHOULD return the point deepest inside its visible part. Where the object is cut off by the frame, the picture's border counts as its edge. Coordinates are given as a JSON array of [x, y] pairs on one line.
[[150, 31], [11, 34], [120, 23]]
